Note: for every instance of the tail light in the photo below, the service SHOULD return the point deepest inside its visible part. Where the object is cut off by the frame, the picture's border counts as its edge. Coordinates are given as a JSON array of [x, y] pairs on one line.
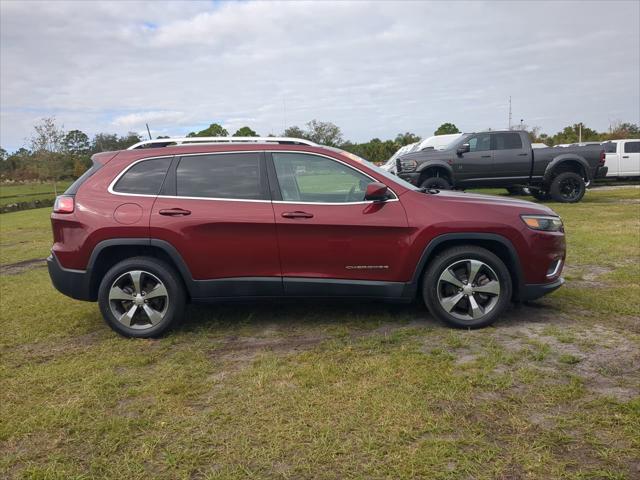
[[64, 204], [603, 156]]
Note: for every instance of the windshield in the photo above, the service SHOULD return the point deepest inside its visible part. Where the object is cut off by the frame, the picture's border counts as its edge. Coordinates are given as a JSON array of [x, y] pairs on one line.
[[374, 167]]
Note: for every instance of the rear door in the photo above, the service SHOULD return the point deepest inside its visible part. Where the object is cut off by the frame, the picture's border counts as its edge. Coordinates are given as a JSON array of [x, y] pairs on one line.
[[331, 240], [476, 165], [216, 211], [511, 160], [630, 158]]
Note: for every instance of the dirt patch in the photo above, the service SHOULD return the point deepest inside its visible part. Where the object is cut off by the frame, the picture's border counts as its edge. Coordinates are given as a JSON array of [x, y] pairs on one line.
[[587, 276], [608, 364], [247, 348], [19, 267]]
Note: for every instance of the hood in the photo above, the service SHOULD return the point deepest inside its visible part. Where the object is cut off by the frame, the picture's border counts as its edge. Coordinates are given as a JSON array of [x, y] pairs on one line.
[[493, 200]]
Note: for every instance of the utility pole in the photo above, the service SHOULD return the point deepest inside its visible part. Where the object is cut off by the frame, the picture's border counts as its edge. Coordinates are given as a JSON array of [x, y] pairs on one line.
[[521, 120], [580, 132], [148, 131], [509, 112]]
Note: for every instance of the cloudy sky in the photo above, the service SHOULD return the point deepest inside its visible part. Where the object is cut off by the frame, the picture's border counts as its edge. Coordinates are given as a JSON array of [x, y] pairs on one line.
[[375, 69]]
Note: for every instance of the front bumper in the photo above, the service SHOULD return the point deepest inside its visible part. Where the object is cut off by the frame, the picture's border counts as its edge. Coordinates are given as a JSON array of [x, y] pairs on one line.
[[533, 291], [413, 177], [72, 283]]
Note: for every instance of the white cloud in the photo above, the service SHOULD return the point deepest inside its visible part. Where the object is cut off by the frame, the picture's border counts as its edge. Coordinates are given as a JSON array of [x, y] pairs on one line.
[[375, 68], [134, 120]]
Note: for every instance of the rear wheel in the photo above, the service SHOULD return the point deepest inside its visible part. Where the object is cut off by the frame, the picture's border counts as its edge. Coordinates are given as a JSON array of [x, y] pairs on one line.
[[567, 187], [467, 287], [439, 183], [141, 297]]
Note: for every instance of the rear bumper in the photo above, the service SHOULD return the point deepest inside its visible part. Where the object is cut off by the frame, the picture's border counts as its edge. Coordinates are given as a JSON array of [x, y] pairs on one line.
[[601, 172], [72, 283], [533, 291]]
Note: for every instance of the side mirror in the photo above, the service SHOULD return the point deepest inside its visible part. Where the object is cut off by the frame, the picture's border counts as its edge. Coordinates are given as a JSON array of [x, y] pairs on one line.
[[464, 148], [376, 191]]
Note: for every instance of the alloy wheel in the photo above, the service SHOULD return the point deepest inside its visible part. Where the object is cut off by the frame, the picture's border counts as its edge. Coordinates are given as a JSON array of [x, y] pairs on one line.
[[468, 289], [569, 188], [138, 299]]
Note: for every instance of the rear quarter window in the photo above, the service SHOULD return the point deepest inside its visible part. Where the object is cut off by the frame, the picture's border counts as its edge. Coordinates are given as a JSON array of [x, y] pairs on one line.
[[610, 147], [144, 178]]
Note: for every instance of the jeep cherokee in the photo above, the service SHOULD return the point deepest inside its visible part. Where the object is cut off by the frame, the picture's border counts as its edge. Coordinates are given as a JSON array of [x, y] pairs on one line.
[[147, 229]]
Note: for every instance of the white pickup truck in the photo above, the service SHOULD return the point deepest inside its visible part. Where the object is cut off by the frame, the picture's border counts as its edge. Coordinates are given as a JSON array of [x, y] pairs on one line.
[[622, 158]]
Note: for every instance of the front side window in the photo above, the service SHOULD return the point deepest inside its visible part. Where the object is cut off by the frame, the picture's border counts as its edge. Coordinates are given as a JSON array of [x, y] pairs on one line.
[[479, 143], [508, 141], [236, 176], [311, 178], [144, 178], [632, 147]]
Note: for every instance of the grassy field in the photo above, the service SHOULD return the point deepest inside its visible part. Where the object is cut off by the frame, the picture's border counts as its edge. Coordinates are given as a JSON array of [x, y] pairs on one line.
[[30, 191], [331, 391]]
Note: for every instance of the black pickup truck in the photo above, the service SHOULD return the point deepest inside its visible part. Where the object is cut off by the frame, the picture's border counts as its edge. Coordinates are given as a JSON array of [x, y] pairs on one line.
[[506, 159]]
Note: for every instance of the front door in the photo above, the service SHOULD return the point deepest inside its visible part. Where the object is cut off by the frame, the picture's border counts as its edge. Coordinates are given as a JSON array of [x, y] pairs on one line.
[[331, 240], [475, 166], [216, 211]]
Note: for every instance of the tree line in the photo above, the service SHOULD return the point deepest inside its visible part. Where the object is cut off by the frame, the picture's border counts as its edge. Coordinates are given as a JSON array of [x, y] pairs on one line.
[[51, 153]]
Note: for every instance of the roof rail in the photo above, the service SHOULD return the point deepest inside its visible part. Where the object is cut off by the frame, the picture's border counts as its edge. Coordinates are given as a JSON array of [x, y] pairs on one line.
[[168, 142]]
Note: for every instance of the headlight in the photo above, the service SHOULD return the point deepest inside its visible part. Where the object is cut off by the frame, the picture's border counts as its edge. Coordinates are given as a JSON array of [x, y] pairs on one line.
[[546, 223], [407, 165]]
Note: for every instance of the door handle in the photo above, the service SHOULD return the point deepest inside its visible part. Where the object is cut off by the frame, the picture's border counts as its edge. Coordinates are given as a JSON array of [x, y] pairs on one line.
[[297, 214], [485, 156], [175, 212], [625, 156], [523, 154]]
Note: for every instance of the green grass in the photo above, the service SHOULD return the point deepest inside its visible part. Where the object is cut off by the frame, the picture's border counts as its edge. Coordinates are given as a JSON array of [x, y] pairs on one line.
[[324, 390], [29, 192]]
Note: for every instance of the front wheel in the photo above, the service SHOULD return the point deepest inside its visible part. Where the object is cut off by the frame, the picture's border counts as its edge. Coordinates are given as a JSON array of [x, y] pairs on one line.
[[439, 183], [567, 187], [467, 287], [141, 297]]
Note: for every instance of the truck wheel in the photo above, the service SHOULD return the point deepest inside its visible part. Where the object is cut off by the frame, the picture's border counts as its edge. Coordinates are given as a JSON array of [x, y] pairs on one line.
[[141, 297], [439, 183], [541, 195], [467, 287], [567, 187]]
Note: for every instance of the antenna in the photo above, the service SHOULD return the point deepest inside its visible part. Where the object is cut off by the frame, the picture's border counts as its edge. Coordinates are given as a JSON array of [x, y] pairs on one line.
[[148, 131], [509, 112]]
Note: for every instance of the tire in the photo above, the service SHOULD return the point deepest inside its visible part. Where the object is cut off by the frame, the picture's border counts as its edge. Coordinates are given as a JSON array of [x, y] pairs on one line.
[[541, 195], [159, 301], [567, 187], [448, 297], [438, 183]]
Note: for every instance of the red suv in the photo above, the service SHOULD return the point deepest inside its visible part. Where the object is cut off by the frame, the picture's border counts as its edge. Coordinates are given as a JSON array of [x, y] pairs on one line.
[[150, 228]]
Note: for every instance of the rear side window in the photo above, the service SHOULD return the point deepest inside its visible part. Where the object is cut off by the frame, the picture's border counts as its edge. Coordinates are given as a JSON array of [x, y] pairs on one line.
[[610, 147], [237, 176], [632, 147], [507, 141], [144, 178]]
